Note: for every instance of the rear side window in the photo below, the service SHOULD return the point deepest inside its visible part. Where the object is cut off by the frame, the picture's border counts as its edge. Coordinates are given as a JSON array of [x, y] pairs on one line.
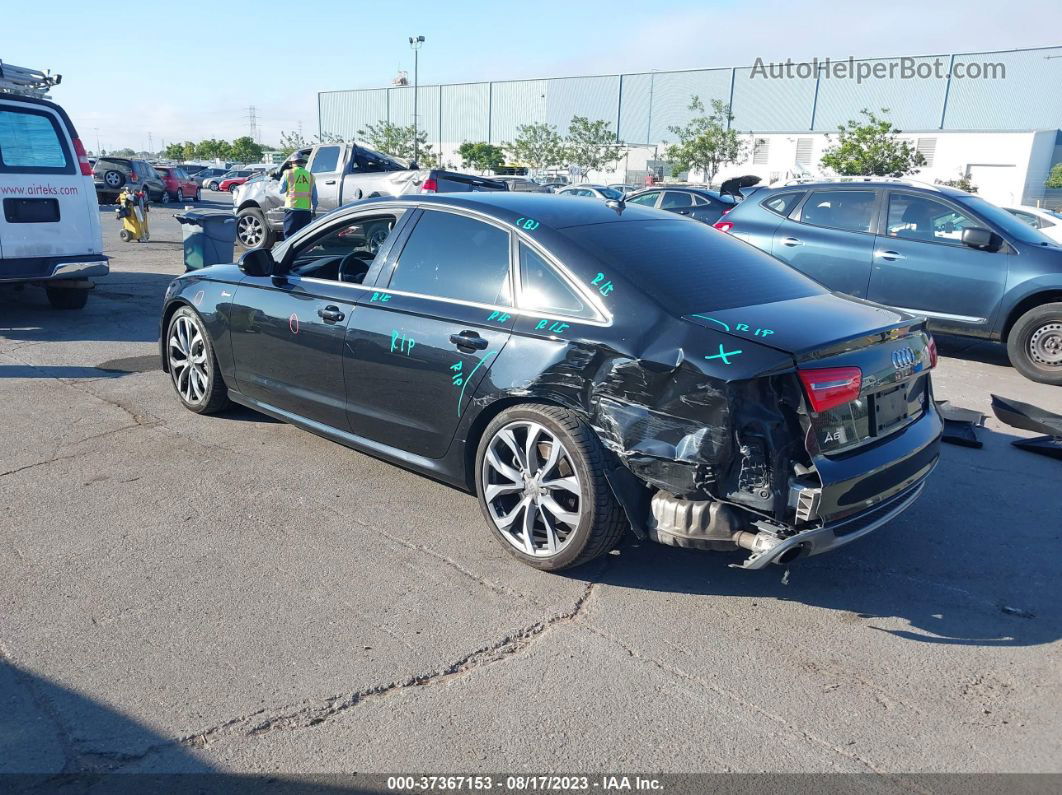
[[450, 256], [543, 290], [31, 142], [848, 210], [325, 160], [783, 203], [673, 200], [688, 267]]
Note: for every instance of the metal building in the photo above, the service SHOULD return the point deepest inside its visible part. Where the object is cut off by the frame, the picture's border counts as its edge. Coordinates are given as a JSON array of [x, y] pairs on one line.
[[992, 116]]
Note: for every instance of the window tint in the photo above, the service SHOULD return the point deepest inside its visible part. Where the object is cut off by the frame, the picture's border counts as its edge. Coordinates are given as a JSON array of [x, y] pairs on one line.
[[647, 199], [325, 160], [1028, 218], [344, 253], [921, 218], [783, 203], [30, 141], [674, 200], [543, 290], [850, 210], [688, 267], [451, 256]]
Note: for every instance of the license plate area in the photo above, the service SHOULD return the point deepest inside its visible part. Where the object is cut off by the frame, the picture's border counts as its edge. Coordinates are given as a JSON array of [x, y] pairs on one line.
[[894, 408], [31, 211]]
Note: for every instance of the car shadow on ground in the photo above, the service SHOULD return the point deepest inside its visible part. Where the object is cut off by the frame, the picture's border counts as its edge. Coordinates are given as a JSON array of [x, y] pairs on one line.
[[123, 307], [974, 350], [958, 567]]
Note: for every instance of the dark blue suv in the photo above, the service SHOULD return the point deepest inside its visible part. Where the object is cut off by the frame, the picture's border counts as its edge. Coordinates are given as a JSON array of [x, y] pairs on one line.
[[969, 266]]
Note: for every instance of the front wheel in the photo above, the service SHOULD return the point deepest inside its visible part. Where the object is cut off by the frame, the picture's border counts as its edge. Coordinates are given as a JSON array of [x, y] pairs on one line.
[[180, 195], [541, 486], [213, 185], [67, 297], [193, 366], [198, 194], [1034, 345], [233, 187]]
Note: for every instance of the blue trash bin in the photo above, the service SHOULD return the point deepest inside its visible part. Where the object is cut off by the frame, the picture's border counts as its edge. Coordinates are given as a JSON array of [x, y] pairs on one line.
[[209, 237]]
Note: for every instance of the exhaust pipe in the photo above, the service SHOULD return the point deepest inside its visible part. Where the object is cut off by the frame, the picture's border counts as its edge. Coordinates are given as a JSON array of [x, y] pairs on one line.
[[763, 544]]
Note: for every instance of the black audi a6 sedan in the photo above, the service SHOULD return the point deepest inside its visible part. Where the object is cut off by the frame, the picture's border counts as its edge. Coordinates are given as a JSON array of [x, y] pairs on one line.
[[587, 369]]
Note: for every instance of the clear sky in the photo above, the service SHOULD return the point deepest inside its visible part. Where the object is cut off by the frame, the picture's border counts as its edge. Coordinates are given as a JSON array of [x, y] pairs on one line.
[[190, 69]]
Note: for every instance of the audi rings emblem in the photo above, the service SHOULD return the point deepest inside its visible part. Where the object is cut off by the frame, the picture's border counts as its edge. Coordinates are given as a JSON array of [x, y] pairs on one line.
[[904, 358]]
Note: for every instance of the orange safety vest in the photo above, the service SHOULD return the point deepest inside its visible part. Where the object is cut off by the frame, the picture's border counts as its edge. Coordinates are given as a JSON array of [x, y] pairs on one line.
[[300, 189]]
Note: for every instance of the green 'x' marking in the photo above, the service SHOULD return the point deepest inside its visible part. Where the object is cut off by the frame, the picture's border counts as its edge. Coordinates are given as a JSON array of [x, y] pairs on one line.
[[722, 355]]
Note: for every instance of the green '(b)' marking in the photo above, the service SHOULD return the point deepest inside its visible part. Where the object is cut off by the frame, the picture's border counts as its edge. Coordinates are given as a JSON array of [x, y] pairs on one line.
[[461, 397], [530, 224]]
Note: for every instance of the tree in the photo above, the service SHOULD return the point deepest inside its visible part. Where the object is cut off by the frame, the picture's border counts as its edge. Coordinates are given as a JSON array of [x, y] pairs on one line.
[[126, 152], [173, 152], [1054, 180], [212, 148], [537, 146], [706, 142], [246, 150], [591, 145], [397, 141], [871, 148], [481, 156], [962, 182], [289, 142]]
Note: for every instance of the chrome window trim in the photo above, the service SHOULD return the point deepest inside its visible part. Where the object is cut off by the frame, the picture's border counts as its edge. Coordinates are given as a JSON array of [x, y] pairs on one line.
[[942, 315]]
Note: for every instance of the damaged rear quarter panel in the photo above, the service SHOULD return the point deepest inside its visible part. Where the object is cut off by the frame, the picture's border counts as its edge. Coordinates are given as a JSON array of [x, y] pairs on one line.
[[691, 425]]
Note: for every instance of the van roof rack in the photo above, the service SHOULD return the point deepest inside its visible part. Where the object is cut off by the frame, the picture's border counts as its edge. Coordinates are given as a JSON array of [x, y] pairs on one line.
[[859, 178], [26, 82]]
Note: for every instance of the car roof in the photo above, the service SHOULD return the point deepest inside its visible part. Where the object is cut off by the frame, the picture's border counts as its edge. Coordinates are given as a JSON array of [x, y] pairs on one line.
[[553, 210], [884, 182]]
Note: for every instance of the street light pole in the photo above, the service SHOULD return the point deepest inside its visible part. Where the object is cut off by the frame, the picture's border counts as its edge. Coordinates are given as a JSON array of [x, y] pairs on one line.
[[415, 42]]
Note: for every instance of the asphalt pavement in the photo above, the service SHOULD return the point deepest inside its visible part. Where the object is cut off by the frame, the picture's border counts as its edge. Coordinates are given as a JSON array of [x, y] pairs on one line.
[[229, 593]]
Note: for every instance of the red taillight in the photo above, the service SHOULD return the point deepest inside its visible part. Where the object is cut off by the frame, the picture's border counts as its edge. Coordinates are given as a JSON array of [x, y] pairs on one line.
[[831, 386], [723, 226], [82, 158], [429, 186], [932, 352], [133, 177]]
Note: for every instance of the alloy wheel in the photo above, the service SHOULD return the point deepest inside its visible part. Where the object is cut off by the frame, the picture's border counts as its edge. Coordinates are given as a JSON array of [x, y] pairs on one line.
[[180, 195], [531, 488], [250, 232], [188, 360], [1045, 345]]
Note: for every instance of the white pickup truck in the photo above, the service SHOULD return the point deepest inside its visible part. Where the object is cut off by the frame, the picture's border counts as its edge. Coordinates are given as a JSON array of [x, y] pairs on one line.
[[343, 172]]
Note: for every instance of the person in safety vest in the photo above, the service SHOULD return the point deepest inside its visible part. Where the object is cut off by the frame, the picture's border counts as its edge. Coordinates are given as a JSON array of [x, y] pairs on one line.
[[300, 196]]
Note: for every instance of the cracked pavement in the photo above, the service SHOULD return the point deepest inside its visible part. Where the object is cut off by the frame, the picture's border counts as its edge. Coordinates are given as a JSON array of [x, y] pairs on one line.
[[185, 593]]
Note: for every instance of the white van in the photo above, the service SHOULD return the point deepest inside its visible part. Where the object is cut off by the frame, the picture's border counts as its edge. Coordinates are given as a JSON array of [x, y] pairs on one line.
[[50, 225]]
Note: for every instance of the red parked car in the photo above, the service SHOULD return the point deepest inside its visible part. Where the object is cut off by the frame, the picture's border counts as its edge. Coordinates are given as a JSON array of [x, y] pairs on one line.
[[178, 185], [235, 178]]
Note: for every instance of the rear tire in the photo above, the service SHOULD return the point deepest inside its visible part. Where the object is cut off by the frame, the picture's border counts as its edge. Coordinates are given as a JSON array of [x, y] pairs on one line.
[[551, 507], [1034, 345], [113, 179], [253, 230], [199, 194], [180, 195], [213, 185], [193, 366], [67, 297]]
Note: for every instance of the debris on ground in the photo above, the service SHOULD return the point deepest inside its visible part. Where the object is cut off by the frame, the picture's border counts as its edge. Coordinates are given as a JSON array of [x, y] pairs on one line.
[[1031, 418], [959, 424]]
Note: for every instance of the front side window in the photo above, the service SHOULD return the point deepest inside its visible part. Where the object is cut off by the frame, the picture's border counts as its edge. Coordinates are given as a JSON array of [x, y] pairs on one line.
[[921, 218], [325, 160], [451, 256], [343, 253], [848, 210], [543, 290], [673, 200], [646, 199], [30, 141]]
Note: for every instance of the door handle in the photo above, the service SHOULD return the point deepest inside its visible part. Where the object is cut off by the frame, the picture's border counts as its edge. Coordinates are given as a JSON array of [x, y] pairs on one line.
[[468, 339], [792, 241], [331, 314], [891, 256], [330, 182]]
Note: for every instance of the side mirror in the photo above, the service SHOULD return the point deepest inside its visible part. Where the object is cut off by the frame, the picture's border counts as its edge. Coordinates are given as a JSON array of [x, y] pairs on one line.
[[977, 237], [257, 262]]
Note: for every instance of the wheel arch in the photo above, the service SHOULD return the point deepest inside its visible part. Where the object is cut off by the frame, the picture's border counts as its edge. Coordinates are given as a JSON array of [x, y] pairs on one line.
[[250, 204], [1025, 304], [167, 314], [485, 417]]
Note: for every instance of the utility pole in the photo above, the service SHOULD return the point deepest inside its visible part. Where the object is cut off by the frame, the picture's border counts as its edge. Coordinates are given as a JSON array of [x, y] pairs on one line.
[[252, 122], [415, 43], [149, 141], [99, 151]]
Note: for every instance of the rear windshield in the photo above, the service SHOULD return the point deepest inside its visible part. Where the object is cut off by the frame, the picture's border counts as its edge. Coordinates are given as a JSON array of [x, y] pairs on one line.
[[687, 266], [30, 142]]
